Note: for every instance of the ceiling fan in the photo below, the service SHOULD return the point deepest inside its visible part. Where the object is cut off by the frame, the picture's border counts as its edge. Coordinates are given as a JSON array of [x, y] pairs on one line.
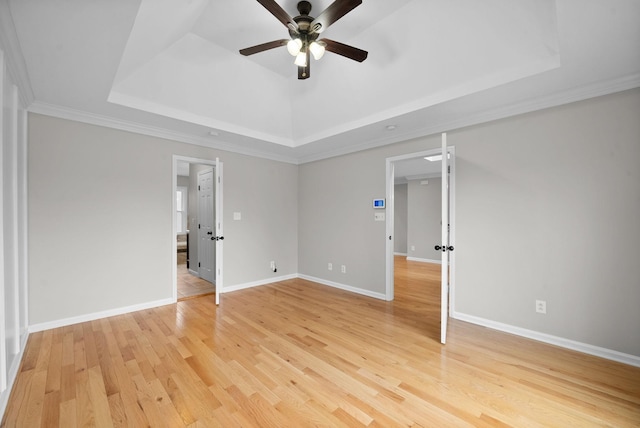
[[304, 31]]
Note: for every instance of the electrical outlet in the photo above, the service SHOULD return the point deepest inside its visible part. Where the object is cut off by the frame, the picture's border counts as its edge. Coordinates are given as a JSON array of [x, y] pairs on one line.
[[541, 306], [413, 248], [273, 265], [343, 269], [330, 266]]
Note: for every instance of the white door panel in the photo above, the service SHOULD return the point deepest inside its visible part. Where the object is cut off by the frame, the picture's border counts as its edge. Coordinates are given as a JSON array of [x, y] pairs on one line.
[[446, 245], [206, 246]]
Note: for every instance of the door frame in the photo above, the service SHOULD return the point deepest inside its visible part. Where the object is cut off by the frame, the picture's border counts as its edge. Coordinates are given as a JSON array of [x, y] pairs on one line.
[[390, 220], [174, 231]]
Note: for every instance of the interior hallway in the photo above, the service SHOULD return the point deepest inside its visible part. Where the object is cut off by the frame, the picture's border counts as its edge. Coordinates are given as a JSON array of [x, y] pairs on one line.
[[189, 285]]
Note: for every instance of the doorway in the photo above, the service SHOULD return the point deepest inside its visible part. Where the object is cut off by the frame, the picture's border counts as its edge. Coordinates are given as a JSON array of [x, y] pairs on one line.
[[428, 199], [197, 268]]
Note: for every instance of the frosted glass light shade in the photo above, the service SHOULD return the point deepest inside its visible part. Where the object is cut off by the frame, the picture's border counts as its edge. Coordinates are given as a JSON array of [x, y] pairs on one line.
[[301, 59], [294, 46], [317, 50]]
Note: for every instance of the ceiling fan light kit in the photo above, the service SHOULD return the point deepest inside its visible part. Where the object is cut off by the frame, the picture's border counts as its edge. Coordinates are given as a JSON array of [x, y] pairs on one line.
[[294, 46], [301, 59], [304, 31]]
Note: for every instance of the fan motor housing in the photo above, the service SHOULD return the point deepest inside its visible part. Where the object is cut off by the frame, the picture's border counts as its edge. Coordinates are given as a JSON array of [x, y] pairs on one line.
[[304, 7]]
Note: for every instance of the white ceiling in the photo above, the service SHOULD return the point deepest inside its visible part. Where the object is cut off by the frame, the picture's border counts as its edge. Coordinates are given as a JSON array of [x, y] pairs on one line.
[[172, 68]]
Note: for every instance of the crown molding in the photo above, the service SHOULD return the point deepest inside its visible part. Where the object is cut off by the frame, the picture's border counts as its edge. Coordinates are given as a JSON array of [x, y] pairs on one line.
[[434, 127], [16, 65], [572, 95], [122, 125]]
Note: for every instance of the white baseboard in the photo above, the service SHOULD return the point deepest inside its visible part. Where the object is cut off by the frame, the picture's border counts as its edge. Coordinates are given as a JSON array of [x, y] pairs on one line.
[[344, 287], [321, 281], [194, 273], [400, 254], [597, 351], [98, 315], [416, 259], [257, 283]]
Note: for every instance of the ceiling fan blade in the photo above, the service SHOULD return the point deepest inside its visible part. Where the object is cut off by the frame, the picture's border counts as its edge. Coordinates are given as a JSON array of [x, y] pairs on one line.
[[280, 14], [263, 47], [345, 50], [335, 11]]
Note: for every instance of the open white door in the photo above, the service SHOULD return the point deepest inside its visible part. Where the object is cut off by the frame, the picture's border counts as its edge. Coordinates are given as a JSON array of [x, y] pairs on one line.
[[445, 246], [390, 268], [206, 246], [219, 236]]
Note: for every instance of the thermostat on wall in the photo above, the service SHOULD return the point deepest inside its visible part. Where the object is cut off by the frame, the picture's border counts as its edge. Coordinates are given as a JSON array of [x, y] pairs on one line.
[[378, 203]]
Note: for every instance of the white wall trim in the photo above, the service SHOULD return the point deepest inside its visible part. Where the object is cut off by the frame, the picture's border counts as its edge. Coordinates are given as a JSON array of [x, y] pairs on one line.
[[16, 65], [61, 112], [12, 375], [23, 215], [258, 283], [3, 330], [400, 254], [320, 281], [572, 95], [418, 259], [375, 295], [569, 96], [586, 348], [99, 315]]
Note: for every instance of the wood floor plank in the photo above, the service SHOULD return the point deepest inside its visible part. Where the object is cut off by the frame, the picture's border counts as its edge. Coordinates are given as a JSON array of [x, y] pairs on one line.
[[54, 366], [68, 414], [117, 411], [51, 409], [85, 412], [300, 354]]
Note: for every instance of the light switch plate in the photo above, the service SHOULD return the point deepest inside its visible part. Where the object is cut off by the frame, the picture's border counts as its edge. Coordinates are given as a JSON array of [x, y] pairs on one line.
[[237, 216], [378, 216]]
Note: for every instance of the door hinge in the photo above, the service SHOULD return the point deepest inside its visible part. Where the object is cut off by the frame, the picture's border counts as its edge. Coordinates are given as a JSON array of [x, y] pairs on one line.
[[198, 187], [449, 169], [198, 264], [198, 225]]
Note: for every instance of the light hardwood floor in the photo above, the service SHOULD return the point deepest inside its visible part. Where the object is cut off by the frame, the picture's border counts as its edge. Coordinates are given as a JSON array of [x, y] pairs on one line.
[[296, 354], [190, 286]]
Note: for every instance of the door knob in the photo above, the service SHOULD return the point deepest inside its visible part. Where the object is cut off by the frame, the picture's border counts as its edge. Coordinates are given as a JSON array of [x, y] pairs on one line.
[[443, 248], [209, 233]]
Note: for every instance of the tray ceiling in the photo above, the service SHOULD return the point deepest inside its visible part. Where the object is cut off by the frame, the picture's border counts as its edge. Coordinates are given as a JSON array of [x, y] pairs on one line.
[[173, 66]]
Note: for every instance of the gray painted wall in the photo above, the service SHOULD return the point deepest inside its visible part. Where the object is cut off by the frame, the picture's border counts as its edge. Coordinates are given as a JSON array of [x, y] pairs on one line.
[[100, 218], [400, 219], [337, 223], [424, 213], [539, 196]]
